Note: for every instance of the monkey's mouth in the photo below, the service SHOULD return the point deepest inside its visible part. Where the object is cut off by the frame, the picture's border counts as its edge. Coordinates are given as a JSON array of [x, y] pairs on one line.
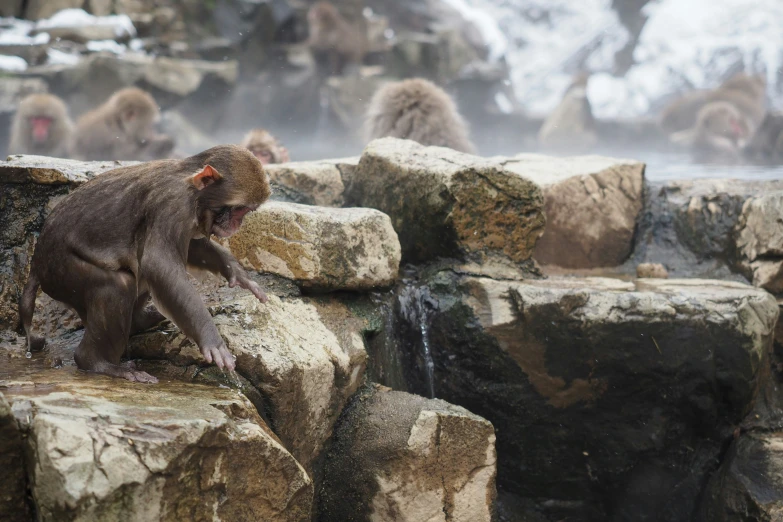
[[228, 220]]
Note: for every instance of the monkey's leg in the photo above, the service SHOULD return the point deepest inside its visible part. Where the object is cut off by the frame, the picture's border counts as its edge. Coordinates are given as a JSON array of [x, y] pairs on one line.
[[144, 315], [109, 303]]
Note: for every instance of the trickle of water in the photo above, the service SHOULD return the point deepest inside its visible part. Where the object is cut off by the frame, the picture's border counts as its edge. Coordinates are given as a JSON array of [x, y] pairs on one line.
[[415, 307], [28, 354]]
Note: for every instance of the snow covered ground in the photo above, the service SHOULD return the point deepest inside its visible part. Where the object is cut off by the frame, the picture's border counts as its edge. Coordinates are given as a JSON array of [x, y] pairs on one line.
[[685, 44]]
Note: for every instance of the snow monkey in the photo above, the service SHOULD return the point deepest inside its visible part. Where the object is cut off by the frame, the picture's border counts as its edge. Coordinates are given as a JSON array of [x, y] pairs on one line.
[[41, 126], [265, 147]]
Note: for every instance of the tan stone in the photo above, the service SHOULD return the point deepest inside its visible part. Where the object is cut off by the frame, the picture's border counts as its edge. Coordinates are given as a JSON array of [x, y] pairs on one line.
[[651, 270], [321, 248], [760, 240], [39, 9], [412, 459], [592, 204], [444, 203], [313, 182], [44, 170]]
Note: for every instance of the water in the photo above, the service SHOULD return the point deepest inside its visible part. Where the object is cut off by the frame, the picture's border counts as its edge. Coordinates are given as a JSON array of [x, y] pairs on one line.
[[668, 166], [415, 305]]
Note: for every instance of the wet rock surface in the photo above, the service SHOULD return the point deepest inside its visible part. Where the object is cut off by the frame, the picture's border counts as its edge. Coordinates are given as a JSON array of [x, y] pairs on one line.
[[401, 457], [592, 205], [608, 397], [444, 203], [320, 248]]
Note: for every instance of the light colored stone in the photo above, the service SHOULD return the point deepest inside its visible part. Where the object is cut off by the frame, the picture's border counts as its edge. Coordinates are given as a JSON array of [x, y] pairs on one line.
[[313, 182], [306, 356], [651, 271], [443, 203], [412, 459], [44, 170], [592, 205], [760, 240], [39, 9], [107, 449], [318, 247]]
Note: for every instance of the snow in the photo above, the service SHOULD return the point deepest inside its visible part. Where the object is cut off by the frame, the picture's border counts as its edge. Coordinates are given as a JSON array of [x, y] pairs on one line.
[[106, 45], [57, 57], [494, 39], [123, 27], [14, 31], [12, 63]]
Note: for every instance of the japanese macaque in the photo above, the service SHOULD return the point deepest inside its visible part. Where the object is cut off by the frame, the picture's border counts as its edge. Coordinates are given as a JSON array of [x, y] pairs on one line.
[[41, 126], [123, 128], [746, 93], [417, 110], [718, 136], [571, 126], [128, 236], [766, 146], [334, 41], [265, 147]]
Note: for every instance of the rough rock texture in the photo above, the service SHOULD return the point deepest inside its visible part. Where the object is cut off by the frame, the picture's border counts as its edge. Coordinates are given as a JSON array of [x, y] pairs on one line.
[[305, 356], [99, 448], [608, 396], [313, 183], [760, 241], [320, 248], [444, 203], [651, 270], [592, 205], [13, 481], [403, 458], [748, 487]]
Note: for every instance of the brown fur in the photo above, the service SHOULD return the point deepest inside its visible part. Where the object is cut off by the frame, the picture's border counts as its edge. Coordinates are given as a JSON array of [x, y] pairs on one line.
[[571, 126], [58, 135], [766, 146], [417, 110], [129, 235], [122, 129], [747, 93], [719, 133], [334, 41], [265, 147]]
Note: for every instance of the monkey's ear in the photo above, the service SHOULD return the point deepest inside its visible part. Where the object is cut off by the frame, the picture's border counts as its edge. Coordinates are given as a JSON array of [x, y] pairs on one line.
[[205, 177]]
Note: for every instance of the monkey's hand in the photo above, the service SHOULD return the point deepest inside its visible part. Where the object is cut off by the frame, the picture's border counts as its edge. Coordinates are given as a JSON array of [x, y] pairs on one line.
[[239, 277], [219, 355]]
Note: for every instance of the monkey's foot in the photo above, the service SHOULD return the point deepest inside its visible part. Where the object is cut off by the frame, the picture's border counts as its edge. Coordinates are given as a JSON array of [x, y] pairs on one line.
[[220, 356], [125, 372]]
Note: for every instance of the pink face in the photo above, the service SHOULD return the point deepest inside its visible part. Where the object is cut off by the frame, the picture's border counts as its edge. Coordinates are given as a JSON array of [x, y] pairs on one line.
[[738, 129], [40, 128], [264, 156], [228, 220]]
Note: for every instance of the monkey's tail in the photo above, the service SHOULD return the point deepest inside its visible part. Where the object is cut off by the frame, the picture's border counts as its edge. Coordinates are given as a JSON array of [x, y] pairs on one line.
[[26, 309]]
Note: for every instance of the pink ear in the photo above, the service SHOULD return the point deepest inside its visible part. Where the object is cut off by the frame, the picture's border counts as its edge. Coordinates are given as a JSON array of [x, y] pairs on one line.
[[206, 177]]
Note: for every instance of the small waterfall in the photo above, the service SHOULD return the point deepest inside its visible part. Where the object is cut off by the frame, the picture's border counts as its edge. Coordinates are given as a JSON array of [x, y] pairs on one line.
[[415, 306]]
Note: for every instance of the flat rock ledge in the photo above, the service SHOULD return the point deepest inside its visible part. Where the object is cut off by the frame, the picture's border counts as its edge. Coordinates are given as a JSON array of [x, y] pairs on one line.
[[313, 182], [592, 205], [44, 170], [399, 457], [97, 448], [443, 203], [320, 248], [760, 241]]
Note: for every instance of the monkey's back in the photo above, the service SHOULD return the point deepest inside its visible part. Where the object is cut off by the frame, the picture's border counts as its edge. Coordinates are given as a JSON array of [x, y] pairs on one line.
[[417, 110]]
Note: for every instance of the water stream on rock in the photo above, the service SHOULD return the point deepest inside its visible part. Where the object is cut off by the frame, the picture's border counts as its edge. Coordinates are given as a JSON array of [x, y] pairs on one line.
[[414, 302]]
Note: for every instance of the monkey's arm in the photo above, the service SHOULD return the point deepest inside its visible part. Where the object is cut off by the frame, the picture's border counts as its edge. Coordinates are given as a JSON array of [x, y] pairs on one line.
[[205, 253]]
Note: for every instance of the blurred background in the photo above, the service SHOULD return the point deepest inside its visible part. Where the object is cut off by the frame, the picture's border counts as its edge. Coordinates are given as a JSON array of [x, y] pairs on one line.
[[218, 68]]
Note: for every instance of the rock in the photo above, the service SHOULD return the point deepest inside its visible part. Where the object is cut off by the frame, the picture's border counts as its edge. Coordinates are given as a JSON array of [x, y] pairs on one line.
[[306, 356], [320, 248], [38, 9], [13, 89], [43, 170], [760, 241], [11, 8], [401, 457], [313, 183], [101, 449], [592, 205], [79, 26], [651, 270], [13, 482], [748, 486], [600, 388], [443, 203]]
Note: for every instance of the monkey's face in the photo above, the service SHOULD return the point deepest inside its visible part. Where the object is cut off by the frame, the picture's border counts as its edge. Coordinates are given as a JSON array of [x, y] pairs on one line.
[[264, 155], [227, 220], [40, 128]]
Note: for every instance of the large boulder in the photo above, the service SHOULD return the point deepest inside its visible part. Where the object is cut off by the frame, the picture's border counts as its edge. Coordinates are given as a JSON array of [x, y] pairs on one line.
[[13, 499], [444, 203], [305, 355], [760, 240], [320, 248], [313, 183], [599, 388], [592, 205], [100, 448], [399, 457]]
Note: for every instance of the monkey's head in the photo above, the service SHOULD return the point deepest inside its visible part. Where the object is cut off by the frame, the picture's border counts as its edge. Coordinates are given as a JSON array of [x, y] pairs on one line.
[[229, 182], [263, 145], [723, 119], [323, 14], [39, 114], [137, 111]]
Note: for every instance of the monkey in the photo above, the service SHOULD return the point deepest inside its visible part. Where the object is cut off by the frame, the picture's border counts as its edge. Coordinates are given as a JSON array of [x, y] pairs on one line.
[[41, 126], [418, 110], [333, 40], [128, 236], [265, 147], [122, 129], [766, 145], [746, 93], [718, 136], [571, 126]]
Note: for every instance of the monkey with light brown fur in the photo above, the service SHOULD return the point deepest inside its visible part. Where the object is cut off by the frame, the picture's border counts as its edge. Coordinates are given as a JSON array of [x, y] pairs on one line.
[[718, 136], [417, 110], [333, 39], [571, 126], [122, 129], [265, 147], [41, 126]]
